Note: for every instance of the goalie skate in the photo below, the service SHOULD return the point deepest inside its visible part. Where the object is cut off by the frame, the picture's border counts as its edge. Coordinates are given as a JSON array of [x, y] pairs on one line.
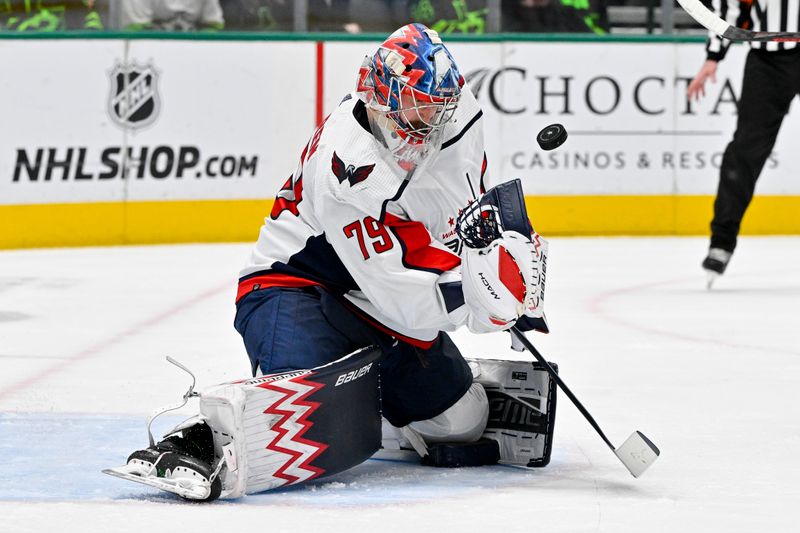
[[184, 480], [179, 464]]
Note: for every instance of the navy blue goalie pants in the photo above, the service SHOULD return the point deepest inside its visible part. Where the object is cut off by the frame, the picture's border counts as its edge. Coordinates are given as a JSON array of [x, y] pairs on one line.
[[299, 328]]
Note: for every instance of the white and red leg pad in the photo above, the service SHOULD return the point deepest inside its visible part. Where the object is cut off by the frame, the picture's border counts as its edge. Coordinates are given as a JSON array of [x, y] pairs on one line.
[[293, 427]]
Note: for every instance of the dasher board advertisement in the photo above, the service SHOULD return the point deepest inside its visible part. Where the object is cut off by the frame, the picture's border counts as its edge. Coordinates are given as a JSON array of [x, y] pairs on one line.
[[141, 120], [632, 130]]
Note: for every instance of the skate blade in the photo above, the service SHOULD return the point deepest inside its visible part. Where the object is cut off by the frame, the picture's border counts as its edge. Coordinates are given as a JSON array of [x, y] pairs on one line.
[[711, 276], [185, 488]]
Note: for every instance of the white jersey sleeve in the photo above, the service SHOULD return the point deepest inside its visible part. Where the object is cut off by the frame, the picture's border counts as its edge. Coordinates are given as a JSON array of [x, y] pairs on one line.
[[398, 266]]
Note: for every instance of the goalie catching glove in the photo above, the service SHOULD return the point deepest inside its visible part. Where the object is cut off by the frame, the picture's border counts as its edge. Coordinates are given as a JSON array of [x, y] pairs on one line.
[[504, 281]]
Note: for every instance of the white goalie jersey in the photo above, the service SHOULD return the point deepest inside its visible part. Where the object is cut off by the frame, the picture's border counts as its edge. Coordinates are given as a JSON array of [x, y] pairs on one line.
[[348, 220]]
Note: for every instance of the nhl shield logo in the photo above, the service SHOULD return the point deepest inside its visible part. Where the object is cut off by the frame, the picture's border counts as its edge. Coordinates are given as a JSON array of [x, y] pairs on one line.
[[133, 100]]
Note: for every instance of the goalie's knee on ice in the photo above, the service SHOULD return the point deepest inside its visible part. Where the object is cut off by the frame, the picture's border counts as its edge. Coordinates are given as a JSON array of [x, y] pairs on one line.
[[464, 421]]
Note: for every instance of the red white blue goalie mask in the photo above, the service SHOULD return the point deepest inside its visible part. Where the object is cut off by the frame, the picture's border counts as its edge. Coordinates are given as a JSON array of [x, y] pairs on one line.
[[413, 82]]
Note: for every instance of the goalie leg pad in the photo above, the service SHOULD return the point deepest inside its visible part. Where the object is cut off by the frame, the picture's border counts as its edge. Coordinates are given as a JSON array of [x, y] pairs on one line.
[[293, 427], [522, 409]]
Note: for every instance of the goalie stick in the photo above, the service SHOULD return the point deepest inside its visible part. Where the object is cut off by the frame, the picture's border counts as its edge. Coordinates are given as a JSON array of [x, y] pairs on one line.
[[502, 208], [637, 453], [711, 21]]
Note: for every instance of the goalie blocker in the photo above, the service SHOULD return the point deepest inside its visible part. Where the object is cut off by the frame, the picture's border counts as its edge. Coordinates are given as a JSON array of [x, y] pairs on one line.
[[284, 429]]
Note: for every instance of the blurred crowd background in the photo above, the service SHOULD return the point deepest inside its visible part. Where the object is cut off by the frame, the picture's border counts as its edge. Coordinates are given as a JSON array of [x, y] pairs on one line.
[[349, 16]]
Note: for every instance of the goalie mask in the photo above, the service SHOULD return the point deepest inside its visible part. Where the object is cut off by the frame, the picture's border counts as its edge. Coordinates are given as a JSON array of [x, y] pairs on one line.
[[412, 85]]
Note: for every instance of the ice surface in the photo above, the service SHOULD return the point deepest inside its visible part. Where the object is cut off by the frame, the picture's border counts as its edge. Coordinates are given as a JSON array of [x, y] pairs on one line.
[[711, 377]]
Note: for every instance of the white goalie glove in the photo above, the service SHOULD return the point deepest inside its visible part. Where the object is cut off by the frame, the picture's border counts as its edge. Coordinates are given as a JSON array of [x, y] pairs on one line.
[[503, 281]]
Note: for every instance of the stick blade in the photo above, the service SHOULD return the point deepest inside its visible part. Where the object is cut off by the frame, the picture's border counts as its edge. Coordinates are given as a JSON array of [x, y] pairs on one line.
[[637, 453]]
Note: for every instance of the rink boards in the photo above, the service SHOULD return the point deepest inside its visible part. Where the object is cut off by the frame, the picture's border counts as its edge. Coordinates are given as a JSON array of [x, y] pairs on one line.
[[111, 141]]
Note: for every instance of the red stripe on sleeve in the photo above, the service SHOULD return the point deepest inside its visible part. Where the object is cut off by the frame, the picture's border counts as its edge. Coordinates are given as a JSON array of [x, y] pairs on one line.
[[417, 250]]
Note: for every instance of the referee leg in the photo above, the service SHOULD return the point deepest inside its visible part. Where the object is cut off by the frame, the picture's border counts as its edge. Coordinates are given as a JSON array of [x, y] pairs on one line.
[[767, 90]]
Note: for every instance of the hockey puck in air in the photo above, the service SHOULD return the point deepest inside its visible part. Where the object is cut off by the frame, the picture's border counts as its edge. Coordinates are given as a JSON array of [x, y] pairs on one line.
[[552, 137]]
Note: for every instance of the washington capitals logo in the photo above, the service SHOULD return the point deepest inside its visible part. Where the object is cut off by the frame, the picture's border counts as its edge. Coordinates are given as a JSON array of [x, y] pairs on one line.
[[349, 172]]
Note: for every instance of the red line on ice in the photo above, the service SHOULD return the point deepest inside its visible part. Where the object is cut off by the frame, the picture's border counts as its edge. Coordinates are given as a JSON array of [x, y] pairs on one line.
[[596, 307], [97, 349]]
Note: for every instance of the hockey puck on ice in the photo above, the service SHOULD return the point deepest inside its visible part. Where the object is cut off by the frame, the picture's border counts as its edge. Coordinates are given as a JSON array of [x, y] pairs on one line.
[[552, 137]]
